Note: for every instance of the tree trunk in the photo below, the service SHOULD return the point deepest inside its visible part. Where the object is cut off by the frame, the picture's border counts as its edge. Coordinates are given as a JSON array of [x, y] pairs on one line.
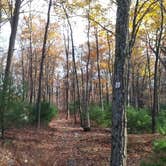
[[74, 61], [119, 126], [157, 55], [38, 104], [86, 125], [30, 56], [110, 59], [98, 70], [155, 96], [136, 23], [14, 24], [23, 75], [67, 75], [107, 89], [149, 76]]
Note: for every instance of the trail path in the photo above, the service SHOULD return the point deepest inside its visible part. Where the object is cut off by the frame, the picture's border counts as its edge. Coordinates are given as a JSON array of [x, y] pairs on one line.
[[65, 144]]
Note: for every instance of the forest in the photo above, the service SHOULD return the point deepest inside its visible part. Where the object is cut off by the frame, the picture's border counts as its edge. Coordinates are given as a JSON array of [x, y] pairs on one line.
[[83, 83]]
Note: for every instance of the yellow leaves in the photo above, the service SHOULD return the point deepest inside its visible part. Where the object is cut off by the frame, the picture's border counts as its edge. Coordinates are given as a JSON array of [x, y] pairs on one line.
[[52, 35], [102, 33], [148, 12], [6, 6], [51, 51], [97, 14], [79, 3], [103, 65], [33, 28]]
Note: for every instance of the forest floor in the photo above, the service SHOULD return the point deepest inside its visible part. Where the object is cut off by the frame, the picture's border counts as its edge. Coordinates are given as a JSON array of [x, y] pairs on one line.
[[66, 144]]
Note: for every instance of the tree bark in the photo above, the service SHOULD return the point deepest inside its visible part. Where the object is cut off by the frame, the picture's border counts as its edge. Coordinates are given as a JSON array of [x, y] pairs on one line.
[[86, 125], [14, 24], [98, 70], [30, 56], [156, 51], [74, 61], [136, 23], [66, 42], [38, 104], [119, 126]]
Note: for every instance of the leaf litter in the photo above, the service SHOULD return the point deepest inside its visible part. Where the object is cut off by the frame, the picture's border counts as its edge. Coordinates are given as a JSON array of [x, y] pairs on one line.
[[66, 144]]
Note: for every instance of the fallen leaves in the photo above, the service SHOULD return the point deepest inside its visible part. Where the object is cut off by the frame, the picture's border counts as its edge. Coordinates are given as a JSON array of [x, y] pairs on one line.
[[65, 144]]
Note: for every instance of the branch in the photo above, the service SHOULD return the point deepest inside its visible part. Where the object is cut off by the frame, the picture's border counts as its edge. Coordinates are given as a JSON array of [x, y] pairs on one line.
[[102, 26]]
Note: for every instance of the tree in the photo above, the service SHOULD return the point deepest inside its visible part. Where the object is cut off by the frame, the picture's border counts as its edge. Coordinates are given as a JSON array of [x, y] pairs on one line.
[[156, 51], [38, 104], [140, 11], [14, 24], [119, 132], [66, 43], [75, 73], [86, 124]]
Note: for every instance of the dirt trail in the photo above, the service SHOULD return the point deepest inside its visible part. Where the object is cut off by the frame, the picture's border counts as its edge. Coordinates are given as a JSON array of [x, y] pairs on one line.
[[65, 144]]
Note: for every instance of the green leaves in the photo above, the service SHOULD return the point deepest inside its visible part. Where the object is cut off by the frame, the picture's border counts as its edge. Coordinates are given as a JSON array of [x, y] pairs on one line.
[[159, 145]]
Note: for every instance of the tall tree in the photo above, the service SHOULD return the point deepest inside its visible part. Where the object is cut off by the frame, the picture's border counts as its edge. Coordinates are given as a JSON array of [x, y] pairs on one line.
[[86, 124], [73, 58], [14, 24], [30, 54], [119, 132], [98, 69], [140, 10], [156, 51], [66, 43], [38, 104]]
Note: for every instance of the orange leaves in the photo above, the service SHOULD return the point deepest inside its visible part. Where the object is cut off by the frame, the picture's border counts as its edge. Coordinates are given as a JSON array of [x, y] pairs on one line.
[[103, 65]]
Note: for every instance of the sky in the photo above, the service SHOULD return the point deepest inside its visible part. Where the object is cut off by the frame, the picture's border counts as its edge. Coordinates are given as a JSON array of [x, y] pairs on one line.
[[78, 28]]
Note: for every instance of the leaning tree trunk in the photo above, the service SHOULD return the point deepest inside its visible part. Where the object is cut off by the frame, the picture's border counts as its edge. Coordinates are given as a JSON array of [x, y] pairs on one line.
[[119, 132], [14, 24], [38, 104]]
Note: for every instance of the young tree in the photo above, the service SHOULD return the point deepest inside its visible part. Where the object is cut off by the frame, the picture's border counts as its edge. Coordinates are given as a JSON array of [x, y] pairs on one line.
[[119, 132]]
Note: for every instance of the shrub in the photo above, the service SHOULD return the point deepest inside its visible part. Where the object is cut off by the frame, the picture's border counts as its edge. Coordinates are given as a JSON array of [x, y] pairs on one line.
[[96, 114], [138, 121], [159, 145], [161, 122], [74, 107], [17, 113], [158, 158], [99, 116], [47, 112], [163, 107]]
